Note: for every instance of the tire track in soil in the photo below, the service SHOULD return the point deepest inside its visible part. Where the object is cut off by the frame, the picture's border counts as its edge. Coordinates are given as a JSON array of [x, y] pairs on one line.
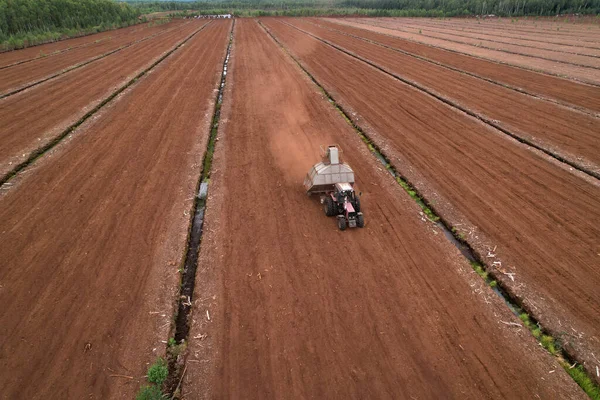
[[15, 80], [29, 131], [300, 310], [94, 236], [541, 126], [512, 202]]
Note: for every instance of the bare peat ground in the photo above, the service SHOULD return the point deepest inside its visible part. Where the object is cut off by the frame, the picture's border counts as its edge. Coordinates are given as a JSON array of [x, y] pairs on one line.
[[93, 237], [394, 28], [569, 134], [564, 91], [586, 34], [581, 28], [27, 74], [33, 118], [287, 306], [55, 48], [567, 46], [591, 61], [534, 221]]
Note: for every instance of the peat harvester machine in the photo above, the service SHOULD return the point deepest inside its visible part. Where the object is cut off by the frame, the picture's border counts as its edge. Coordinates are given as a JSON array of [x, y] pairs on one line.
[[334, 182]]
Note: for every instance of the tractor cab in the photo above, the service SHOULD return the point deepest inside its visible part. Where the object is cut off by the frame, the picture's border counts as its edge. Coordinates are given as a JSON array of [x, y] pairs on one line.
[[344, 191]]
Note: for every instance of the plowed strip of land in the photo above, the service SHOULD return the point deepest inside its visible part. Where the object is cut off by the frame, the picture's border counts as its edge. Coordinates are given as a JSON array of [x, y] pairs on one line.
[[538, 39], [573, 135], [536, 223], [27, 124], [573, 59], [575, 38], [92, 239], [546, 86], [536, 64], [23, 75], [302, 310], [533, 52], [516, 45], [587, 30], [55, 48]]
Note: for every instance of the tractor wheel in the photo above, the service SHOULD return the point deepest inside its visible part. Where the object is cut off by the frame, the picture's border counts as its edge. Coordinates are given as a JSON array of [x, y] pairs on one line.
[[357, 204], [329, 207], [342, 224], [360, 221]]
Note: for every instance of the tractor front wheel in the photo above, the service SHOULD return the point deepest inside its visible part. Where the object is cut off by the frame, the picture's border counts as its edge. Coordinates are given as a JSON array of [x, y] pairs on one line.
[[342, 224], [360, 221], [329, 207], [357, 204]]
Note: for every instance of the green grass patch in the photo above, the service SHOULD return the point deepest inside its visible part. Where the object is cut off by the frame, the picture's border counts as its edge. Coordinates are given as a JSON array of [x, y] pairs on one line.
[[524, 317], [547, 341], [549, 344], [478, 268], [578, 374], [412, 193]]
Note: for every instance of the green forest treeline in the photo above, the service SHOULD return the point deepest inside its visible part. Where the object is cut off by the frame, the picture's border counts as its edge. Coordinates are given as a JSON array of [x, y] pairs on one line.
[[446, 8], [28, 22]]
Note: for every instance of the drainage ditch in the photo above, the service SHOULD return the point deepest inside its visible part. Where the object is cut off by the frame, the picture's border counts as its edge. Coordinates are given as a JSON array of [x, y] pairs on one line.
[[545, 339], [177, 344], [50, 145], [455, 105]]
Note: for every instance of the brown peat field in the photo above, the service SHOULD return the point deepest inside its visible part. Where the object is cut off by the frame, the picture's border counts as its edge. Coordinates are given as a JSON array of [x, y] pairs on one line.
[[476, 150]]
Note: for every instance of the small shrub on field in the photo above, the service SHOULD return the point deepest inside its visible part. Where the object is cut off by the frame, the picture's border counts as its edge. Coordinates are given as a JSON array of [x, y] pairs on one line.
[[157, 373], [525, 319], [150, 393]]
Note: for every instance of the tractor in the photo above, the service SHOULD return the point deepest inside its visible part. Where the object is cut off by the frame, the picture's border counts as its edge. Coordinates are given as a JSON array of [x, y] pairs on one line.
[[334, 182]]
